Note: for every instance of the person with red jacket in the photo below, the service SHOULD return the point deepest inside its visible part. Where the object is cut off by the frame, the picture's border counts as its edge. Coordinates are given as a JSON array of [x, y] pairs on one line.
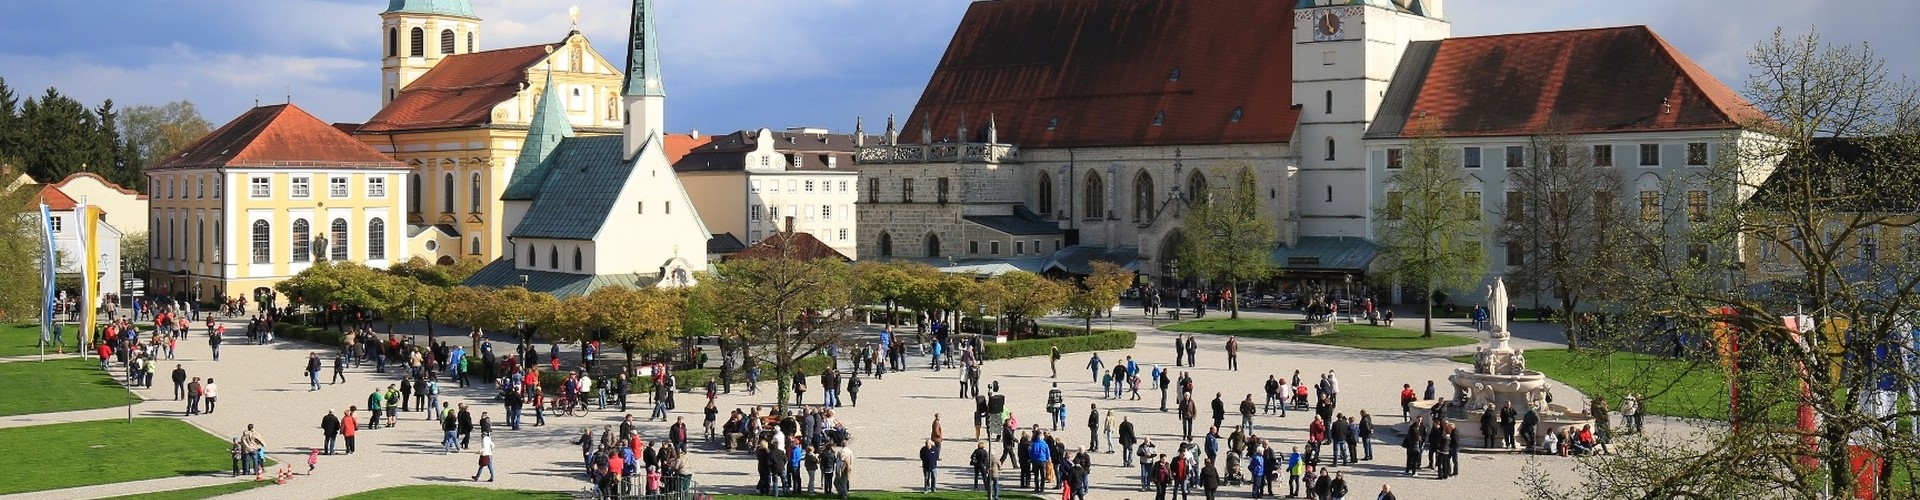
[[1406, 401], [349, 427], [1316, 434]]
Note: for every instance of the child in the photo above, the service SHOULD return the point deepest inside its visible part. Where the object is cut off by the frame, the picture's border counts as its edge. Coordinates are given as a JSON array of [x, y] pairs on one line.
[[235, 451], [313, 459]]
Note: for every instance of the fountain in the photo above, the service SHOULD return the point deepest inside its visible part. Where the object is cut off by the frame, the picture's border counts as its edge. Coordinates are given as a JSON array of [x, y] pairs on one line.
[[1500, 377]]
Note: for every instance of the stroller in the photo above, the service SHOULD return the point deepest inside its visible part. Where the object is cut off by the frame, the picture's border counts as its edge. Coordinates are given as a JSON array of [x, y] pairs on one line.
[[1234, 475]]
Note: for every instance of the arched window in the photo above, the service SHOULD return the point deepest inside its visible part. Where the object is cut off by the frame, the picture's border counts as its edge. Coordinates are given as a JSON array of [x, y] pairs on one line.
[[219, 242], [933, 245], [1096, 199], [1196, 187], [446, 193], [553, 256], [200, 228], [1046, 195], [473, 191], [531, 258], [1330, 149], [339, 240], [172, 236], [376, 239], [262, 242], [469, 42], [446, 42], [414, 200], [419, 39], [1142, 196], [475, 247], [301, 249], [1329, 102], [576, 259], [886, 245], [393, 42]]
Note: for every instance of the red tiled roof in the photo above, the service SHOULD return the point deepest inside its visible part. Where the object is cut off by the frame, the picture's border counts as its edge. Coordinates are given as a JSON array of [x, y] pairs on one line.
[[55, 198], [281, 134], [790, 245], [102, 180], [1622, 79], [1103, 68], [678, 145], [459, 92]]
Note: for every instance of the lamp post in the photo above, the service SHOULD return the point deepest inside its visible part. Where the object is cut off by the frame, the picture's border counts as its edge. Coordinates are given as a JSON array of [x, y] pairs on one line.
[[1346, 295], [1179, 289]]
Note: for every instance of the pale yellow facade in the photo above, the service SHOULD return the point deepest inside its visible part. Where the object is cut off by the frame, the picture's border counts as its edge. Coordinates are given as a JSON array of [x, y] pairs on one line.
[[457, 175], [243, 228]]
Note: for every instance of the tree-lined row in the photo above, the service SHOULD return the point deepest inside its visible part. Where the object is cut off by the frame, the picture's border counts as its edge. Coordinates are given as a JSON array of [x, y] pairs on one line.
[[54, 135]]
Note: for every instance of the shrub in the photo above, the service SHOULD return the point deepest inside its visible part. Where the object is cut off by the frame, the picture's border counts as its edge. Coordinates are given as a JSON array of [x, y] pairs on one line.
[[309, 334], [1100, 340], [690, 380]]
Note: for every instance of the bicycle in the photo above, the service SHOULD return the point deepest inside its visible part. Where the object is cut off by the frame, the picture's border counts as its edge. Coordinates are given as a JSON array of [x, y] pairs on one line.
[[569, 406]]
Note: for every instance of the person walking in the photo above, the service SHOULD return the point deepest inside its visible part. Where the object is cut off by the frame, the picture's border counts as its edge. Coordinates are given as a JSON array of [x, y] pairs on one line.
[[1233, 359], [373, 407], [1127, 440], [179, 382], [486, 457], [313, 371], [213, 340], [465, 423], [450, 429], [329, 431], [929, 462], [339, 369], [1093, 427], [1365, 432], [193, 396]]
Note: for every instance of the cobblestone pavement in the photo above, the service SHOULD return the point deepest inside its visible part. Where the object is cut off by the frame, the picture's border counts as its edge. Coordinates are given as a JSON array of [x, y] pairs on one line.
[[263, 385]]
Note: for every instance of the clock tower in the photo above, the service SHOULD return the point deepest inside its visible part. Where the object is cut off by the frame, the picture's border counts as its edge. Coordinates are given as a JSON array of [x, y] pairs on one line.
[[1345, 53]]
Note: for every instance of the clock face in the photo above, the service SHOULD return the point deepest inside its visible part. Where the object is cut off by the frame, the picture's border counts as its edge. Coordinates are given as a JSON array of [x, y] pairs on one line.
[[1328, 26]]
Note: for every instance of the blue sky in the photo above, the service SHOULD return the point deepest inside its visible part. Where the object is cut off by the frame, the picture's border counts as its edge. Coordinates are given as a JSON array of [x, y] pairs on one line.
[[729, 64]]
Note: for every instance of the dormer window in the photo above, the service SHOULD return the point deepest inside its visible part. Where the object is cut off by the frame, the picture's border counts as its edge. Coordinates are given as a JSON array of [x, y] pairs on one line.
[[1174, 76], [1053, 123], [1235, 117], [1159, 118]]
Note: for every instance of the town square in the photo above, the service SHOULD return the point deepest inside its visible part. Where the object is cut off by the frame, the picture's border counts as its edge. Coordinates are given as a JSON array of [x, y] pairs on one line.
[[1109, 249]]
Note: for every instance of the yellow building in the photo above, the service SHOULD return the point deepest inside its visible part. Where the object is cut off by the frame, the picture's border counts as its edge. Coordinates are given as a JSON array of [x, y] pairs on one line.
[[457, 117], [274, 191]]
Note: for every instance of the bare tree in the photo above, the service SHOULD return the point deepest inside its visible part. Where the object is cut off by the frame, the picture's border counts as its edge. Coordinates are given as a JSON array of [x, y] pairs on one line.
[[1564, 219], [1429, 232]]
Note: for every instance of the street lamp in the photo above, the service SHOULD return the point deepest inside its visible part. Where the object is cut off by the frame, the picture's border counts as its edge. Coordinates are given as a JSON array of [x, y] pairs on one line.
[[1346, 295], [1179, 289]]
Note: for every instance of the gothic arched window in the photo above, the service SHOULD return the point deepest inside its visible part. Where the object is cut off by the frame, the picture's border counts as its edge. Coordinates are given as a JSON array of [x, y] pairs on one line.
[[1142, 196], [446, 193], [419, 39], [1096, 199], [474, 192], [576, 259], [553, 257], [1046, 195], [886, 245], [933, 245], [1196, 186]]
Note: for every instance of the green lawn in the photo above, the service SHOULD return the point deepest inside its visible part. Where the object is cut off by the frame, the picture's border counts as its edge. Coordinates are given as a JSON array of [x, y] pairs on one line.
[[1344, 335], [438, 492], [24, 340], [54, 456], [55, 385], [196, 493], [1671, 387]]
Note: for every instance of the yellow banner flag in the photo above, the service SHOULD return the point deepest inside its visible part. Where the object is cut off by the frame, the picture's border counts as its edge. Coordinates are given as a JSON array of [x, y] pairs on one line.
[[91, 279]]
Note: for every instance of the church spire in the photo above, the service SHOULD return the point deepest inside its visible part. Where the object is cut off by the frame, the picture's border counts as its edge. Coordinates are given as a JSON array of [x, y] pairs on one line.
[[893, 134], [643, 54], [544, 132], [859, 132]]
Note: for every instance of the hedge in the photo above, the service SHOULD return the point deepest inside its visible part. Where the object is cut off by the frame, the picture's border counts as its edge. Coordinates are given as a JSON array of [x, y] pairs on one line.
[[315, 335], [1100, 340]]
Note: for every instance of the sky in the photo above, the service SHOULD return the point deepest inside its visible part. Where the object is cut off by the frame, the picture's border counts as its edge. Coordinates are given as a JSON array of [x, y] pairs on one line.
[[728, 64]]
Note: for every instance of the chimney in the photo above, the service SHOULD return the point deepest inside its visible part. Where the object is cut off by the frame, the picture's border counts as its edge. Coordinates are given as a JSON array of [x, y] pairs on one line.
[[788, 225], [695, 133]]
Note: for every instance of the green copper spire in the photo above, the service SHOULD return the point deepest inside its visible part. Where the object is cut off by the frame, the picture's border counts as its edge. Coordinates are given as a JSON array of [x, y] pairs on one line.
[[544, 132], [456, 8], [643, 54]]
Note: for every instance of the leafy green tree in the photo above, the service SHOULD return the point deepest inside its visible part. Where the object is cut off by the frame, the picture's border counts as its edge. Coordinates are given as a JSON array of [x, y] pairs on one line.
[[643, 321], [790, 309], [894, 282], [155, 132], [1228, 236], [508, 308], [337, 289], [22, 246], [1021, 296], [1098, 293], [133, 254], [1426, 234]]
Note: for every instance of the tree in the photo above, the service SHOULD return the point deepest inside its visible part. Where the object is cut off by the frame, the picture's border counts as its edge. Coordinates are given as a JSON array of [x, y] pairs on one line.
[[1842, 135], [155, 132], [57, 136], [507, 308], [1427, 237], [1019, 296], [338, 289], [1566, 219], [1098, 293], [1228, 236], [788, 309], [641, 321], [22, 246], [894, 283], [133, 254]]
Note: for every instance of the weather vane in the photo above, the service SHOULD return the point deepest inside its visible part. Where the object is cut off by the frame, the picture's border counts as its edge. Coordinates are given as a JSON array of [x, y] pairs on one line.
[[574, 13]]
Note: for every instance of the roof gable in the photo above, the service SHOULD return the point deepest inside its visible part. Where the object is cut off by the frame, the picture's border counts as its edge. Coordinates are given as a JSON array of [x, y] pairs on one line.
[[1622, 79], [1062, 73], [54, 198], [790, 245], [277, 135], [583, 178], [459, 92]]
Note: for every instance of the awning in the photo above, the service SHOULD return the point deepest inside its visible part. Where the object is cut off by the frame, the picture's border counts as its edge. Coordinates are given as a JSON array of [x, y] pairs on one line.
[[1326, 254]]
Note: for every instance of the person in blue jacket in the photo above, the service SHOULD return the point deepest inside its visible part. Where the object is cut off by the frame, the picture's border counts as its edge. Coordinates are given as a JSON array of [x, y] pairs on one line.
[[1042, 457], [929, 461]]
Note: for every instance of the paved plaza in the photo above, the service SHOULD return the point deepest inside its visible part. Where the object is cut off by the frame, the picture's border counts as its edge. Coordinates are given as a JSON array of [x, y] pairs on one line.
[[263, 385]]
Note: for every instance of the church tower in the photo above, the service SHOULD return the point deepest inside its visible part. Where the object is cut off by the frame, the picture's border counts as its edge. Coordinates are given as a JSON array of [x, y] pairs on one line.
[[1345, 53], [416, 34], [643, 93]]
